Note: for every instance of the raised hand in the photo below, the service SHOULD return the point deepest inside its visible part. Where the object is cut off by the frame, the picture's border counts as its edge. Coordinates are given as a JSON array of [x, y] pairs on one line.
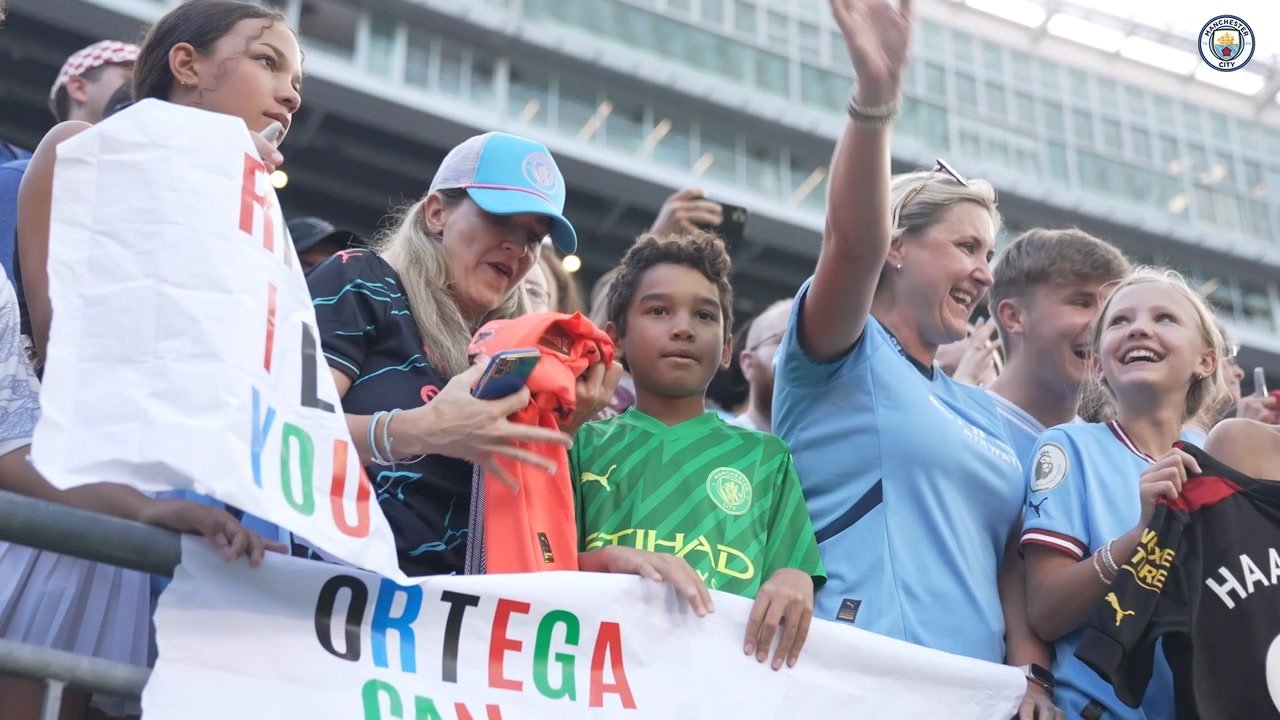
[[1263, 408], [685, 211], [266, 142], [977, 362], [878, 37]]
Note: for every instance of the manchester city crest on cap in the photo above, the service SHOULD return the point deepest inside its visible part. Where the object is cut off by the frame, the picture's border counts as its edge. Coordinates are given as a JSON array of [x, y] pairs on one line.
[[540, 171], [1226, 43]]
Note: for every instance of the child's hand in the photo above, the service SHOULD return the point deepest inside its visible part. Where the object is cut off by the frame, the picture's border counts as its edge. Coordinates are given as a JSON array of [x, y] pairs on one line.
[[1164, 478], [217, 525], [655, 566], [786, 599]]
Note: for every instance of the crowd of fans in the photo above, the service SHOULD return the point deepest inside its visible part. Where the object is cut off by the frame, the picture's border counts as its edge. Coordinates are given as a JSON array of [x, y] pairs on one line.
[[881, 457]]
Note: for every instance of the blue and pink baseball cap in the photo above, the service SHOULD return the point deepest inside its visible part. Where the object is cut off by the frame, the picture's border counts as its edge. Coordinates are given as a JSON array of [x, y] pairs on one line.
[[509, 175]]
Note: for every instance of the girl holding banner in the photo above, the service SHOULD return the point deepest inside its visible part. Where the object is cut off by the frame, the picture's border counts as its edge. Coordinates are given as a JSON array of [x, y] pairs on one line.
[[223, 56], [220, 55]]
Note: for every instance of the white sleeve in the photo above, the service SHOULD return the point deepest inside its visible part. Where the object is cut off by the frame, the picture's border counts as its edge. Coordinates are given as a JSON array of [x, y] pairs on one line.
[[19, 389]]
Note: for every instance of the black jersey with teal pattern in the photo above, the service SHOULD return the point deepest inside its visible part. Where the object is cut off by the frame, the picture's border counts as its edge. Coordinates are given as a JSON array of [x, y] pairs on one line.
[[368, 334]]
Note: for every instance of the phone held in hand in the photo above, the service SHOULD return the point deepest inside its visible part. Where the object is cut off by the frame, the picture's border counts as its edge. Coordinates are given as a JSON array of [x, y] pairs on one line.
[[733, 224], [1259, 382], [508, 371]]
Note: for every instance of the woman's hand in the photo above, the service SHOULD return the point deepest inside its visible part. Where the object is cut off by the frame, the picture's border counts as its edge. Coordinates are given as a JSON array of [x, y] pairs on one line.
[[266, 142], [217, 525], [595, 388], [1263, 408], [458, 424], [1164, 478], [686, 211], [785, 601], [977, 363], [878, 37], [658, 567]]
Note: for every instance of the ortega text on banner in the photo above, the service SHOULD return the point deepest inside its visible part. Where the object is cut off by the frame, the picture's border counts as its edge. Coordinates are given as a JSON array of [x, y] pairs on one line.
[[302, 639], [183, 352]]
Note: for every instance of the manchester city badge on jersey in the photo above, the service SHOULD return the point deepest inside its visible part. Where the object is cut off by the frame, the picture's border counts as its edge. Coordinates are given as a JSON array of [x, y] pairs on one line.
[[730, 489], [1050, 468], [1226, 43]]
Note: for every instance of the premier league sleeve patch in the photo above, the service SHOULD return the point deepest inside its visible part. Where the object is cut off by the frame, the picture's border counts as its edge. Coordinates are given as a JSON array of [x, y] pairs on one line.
[[1050, 468]]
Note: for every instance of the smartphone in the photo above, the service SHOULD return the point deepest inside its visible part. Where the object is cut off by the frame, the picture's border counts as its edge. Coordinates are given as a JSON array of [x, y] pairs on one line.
[[1259, 382], [733, 224], [508, 371]]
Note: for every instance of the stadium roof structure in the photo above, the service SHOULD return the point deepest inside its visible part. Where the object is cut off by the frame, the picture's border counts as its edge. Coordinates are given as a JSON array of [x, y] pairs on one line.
[[1160, 33]]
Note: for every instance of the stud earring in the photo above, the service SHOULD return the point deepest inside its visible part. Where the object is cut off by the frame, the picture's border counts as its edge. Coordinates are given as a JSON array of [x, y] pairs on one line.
[[899, 267]]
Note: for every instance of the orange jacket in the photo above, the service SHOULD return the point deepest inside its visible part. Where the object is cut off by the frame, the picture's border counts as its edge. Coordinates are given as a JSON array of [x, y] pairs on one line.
[[535, 529]]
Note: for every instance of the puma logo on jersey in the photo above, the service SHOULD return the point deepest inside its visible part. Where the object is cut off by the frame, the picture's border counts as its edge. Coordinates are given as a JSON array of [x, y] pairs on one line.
[[1037, 506], [1121, 614], [602, 479]]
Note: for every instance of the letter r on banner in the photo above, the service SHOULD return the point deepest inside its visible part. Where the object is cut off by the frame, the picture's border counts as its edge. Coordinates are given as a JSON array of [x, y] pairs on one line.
[[251, 198]]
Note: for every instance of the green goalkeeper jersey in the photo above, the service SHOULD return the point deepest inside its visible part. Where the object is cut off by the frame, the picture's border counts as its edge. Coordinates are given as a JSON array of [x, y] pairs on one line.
[[724, 498]]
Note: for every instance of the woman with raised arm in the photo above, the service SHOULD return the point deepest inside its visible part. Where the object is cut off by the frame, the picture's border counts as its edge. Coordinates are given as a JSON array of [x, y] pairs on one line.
[[915, 495]]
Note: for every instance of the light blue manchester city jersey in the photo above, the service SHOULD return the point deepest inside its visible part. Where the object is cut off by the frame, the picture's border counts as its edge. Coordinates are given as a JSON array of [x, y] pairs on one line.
[[912, 486], [1083, 484]]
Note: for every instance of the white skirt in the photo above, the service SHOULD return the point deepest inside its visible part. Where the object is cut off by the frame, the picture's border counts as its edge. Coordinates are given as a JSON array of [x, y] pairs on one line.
[[66, 603]]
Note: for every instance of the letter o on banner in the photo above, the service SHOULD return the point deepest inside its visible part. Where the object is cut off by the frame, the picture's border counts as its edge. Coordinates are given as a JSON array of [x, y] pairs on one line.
[[293, 437], [325, 605]]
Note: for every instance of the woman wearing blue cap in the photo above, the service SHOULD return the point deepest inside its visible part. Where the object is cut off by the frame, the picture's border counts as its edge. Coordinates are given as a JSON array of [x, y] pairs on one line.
[[395, 322]]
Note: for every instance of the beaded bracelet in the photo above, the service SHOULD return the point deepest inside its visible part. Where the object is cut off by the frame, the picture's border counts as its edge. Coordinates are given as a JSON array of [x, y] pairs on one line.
[[1110, 559], [1098, 569], [875, 116]]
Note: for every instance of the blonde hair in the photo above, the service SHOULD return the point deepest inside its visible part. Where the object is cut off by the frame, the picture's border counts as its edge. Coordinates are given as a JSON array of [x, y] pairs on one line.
[[419, 257], [929, 201], [1205, 396]]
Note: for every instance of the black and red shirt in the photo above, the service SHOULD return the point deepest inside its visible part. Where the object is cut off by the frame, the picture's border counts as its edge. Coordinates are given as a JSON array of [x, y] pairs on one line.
[[1205, 578]]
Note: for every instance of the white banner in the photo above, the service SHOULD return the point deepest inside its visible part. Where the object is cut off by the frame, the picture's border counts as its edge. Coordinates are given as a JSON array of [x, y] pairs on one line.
[[302, 639], [183, 352]]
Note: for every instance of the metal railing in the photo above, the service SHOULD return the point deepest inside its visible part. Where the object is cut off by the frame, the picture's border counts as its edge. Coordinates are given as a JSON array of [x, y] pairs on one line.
[[92, 536]]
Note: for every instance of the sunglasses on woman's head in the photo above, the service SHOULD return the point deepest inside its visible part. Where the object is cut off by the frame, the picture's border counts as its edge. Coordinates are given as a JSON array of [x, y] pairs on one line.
[[940, 166]]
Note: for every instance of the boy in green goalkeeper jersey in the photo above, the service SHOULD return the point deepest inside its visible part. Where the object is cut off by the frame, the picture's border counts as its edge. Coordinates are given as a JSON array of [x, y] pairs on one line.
[[667, 477]]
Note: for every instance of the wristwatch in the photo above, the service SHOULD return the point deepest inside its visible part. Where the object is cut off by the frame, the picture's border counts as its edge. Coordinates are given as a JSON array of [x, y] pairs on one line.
[[1040, 676]]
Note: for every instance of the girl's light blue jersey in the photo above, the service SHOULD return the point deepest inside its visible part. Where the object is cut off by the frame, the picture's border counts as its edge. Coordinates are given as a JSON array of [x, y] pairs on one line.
[[1083, 493]]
